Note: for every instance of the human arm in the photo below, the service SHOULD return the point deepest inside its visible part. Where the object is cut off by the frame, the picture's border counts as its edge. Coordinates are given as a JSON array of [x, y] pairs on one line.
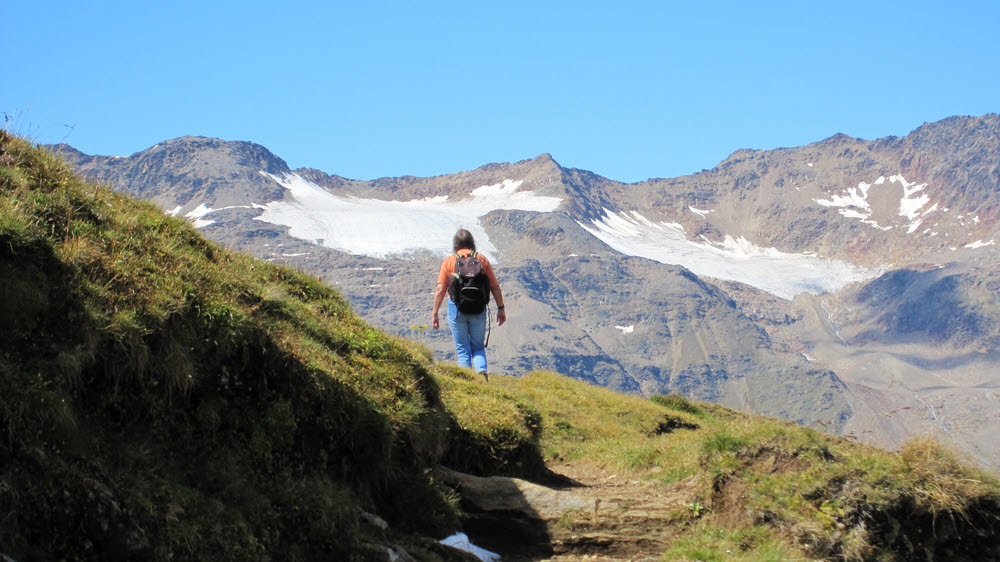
[[447, 266], [497, 294], [498, 298], [439, 293]]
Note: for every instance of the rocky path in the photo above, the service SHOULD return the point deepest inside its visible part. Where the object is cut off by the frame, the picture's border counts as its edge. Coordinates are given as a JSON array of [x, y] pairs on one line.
[[593, 515]]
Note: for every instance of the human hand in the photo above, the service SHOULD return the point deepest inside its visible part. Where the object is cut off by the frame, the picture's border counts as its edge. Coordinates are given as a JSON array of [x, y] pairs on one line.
[[435, 322], [501, 317]]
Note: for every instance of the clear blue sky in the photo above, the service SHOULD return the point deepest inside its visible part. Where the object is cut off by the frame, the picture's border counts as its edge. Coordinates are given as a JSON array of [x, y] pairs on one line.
[[628, 90]]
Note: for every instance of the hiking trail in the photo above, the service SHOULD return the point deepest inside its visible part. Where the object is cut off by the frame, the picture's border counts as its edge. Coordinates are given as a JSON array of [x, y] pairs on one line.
[[594, 514]]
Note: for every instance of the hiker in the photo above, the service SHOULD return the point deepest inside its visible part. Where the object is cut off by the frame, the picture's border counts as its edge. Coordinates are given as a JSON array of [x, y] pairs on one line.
[[474, 283]]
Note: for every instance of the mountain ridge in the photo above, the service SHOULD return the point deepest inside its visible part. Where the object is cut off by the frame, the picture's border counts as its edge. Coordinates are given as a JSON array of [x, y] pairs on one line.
[[860, 208]]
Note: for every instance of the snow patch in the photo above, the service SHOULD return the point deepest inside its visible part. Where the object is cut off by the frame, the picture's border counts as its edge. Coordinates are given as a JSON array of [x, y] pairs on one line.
[[626, 329], [853, 202], [850, 198], [173, 212], [930, 408], [376, 228], [197, 215], [979, 244], [461, 541], [701, 212], [781, 274], [910, 207], [852, 214]]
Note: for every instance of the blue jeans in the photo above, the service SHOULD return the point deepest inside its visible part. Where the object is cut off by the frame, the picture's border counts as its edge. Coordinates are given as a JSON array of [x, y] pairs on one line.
[[469, 333]]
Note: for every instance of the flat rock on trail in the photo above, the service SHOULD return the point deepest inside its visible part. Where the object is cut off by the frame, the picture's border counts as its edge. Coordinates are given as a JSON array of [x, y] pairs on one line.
[[592, 515]]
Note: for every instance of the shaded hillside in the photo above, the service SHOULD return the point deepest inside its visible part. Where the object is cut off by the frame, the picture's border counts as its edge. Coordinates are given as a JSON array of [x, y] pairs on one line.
[[952, 307], [163, 398]]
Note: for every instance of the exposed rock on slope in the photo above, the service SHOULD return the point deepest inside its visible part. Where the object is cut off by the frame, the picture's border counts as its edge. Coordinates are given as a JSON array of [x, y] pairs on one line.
[[186, 172]]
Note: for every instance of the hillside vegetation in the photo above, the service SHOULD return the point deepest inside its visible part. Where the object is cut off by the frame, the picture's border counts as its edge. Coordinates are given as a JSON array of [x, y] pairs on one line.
[[757, 488], [164, 398]]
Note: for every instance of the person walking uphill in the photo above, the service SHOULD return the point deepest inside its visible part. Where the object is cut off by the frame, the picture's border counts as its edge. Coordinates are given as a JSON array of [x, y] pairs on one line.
[[463, 278]]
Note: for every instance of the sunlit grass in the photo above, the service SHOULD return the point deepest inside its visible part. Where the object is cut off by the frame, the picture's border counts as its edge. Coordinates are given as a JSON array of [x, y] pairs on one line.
[[764, 489]]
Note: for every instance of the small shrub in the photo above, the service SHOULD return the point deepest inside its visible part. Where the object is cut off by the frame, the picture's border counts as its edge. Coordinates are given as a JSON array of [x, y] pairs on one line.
[[721, 442], [641, 457], [679, 403]]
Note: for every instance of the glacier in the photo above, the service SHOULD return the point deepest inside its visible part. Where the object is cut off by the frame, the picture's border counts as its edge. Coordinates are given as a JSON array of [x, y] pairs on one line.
[[377, 228], [781, 274]]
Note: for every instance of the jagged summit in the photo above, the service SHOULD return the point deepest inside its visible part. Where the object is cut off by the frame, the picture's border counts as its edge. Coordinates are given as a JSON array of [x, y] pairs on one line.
[[838, 139], [189, 171], [544, 159]]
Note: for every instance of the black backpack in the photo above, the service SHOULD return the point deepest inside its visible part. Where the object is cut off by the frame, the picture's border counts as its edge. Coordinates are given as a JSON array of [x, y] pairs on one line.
[[470, 286]]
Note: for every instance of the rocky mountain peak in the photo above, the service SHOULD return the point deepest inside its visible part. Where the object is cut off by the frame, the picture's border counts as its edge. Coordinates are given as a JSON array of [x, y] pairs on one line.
[[739, 155], [188, 171], [956, 125], [837, 140], [545, 160], [222, 153], [68, 152]]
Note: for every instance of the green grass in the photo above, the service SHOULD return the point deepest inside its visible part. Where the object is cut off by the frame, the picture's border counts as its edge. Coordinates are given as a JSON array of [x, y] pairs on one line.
[[605, 427], [710, 543], [162, 397], [766, 489], [679, 403]]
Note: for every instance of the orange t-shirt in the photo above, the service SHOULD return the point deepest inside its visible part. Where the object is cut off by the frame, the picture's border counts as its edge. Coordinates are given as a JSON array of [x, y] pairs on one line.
[[448, 267]]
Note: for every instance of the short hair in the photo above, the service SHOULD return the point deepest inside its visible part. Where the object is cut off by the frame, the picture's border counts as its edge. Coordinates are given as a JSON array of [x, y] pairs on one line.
[[463, 240]]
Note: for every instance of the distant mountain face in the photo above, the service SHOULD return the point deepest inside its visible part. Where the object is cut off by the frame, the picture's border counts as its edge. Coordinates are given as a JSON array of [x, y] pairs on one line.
[[848, 283], [869, 202]]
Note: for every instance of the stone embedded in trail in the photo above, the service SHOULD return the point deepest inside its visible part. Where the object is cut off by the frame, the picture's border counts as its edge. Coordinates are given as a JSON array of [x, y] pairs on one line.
[[498, 493]]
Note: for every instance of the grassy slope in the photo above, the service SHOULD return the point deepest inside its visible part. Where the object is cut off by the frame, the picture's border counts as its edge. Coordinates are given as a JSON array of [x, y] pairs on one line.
[[162, 397], [769, 489]]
